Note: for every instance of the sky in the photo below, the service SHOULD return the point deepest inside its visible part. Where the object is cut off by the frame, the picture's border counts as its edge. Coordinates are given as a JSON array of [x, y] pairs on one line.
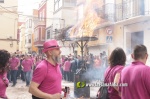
[[25, 6]]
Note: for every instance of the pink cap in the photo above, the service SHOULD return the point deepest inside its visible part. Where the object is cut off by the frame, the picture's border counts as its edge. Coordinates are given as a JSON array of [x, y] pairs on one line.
[[49, 45]]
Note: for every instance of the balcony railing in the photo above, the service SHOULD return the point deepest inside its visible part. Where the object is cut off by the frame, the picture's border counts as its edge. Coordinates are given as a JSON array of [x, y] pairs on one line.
[[106, 12], [132, 8], [39, 22], [109, 12]]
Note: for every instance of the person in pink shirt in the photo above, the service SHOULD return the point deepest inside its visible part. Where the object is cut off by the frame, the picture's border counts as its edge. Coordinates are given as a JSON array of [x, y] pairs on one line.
[[136, 76], [46, 81], [27, 65], [117, 61], [14, 64], [4, 60], [37, 60], [66, 67]]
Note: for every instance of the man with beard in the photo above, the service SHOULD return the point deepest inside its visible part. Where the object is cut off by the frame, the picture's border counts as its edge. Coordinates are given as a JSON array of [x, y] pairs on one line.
[[46, 81]]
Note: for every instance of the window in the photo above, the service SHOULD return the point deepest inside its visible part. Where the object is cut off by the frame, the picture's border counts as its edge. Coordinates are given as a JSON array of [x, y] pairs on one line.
[[27, 24], [147, 7], [43, 15], [80, 12], [69, 3], [110, 9], [40, 16], [29, 38], [30, 23], [37, 34], [58, 4], [26, 39], [48, 34], [1, 1], [42, 33], [127, 8]]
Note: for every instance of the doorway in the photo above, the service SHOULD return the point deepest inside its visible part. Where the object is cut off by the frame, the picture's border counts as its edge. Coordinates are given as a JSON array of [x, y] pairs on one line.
[[136, 38]]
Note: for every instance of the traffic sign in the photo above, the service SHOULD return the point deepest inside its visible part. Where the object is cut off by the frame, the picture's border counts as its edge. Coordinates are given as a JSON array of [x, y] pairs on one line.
[[109, 39]]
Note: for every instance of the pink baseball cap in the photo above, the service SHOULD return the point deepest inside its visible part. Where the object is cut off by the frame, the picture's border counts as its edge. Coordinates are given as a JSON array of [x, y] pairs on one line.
[[49, 45]]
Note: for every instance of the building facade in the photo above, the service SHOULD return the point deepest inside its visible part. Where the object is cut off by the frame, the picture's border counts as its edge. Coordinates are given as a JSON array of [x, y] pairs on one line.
[[9, 25], [40, 27], [22, 48], [28, 35], [126, 25], [64, 16]]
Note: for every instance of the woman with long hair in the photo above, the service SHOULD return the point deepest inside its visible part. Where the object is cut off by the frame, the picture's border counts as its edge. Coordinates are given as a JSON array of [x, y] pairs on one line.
[[117, 61], [4, 60]]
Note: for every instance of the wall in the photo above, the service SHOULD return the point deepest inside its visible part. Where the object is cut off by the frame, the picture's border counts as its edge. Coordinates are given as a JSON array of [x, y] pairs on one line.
[[69, 15], [8, 25], [140, 26], [33, 47], [22, 39], [49, 9]]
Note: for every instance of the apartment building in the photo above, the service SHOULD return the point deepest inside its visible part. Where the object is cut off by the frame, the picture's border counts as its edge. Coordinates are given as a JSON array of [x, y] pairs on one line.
[[61, 14], [126, 24], [9, 25], [40, 26]]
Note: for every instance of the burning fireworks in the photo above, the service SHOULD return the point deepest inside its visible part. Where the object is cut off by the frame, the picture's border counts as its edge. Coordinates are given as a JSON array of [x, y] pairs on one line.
[[89, 22]]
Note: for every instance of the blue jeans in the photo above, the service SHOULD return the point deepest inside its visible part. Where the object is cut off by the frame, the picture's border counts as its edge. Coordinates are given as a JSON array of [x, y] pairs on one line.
[[9, 76], [27, 76], [14, 76]]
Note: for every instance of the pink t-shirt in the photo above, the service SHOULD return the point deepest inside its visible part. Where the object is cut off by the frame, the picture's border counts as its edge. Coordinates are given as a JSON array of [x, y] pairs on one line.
[[38, 62], [48, 77], [138, 79], [13, 63], [111, 72], [3, 85], [33, 59], [67, 65], [27, 64]]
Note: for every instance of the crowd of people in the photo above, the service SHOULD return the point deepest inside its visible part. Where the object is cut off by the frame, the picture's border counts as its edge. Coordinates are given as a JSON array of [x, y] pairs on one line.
[[132, 81], [43, 74], [21, 67], [94, 65]]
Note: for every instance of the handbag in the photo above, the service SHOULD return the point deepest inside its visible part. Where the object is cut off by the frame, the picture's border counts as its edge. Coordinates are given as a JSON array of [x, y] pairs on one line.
[[34, 97], [103, 90]]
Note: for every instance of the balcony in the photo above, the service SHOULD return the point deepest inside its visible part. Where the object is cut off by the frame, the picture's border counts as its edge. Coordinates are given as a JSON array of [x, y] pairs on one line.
[[132, 11], [38, 43], [107, 14], [39, 22]]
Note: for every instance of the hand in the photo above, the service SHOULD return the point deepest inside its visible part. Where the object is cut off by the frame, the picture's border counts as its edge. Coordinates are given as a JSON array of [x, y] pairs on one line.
[[63, 89], [56, 96], [16, 67]]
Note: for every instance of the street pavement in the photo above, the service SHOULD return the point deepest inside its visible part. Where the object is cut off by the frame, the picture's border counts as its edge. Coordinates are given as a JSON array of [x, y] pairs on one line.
[[93, 90], [20, 91]]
